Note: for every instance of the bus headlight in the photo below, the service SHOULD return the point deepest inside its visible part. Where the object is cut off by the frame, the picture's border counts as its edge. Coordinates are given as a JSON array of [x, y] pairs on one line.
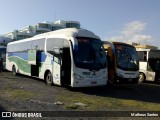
[[105, 77], [119, 75], [78, 77]]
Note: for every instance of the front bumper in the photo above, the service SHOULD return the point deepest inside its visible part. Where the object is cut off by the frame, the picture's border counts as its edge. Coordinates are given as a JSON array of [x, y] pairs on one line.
[[119, 80]]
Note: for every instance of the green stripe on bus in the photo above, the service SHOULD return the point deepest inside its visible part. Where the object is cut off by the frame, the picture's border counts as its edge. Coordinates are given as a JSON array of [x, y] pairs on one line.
[[23, 64]]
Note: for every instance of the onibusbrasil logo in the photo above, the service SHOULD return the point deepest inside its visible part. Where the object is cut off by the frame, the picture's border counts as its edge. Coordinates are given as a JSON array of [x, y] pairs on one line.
[[21, 114]]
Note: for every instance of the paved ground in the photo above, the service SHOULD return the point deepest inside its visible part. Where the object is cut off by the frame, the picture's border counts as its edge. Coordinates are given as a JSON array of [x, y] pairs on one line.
[[22, 93]]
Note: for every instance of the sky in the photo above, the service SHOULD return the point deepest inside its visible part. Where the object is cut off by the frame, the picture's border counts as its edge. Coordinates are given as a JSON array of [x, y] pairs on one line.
[[112, 20]]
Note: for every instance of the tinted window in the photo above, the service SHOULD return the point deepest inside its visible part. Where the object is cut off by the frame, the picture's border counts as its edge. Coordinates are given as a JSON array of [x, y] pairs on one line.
[[89, 54], [56, 42], [127, 57]]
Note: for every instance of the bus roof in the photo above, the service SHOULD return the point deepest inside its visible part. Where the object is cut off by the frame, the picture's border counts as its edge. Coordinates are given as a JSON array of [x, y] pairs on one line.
[[122, 43], [62, 33], [116, 43]]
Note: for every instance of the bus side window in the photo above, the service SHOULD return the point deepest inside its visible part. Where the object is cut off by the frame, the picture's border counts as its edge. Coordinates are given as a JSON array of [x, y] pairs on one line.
[[142, 56], [145, 56], [57, 55]]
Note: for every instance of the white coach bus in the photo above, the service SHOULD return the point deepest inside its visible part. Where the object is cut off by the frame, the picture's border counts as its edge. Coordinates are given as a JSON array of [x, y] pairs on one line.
[[73, 57]]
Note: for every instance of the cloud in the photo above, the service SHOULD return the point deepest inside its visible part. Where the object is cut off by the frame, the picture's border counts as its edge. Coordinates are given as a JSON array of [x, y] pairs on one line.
[[132, 32], [133, 28], [117, 38], [141, 39]]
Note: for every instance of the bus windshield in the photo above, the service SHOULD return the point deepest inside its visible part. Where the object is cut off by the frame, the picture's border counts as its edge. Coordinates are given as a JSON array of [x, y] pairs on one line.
[[127, 57], [89, 54]]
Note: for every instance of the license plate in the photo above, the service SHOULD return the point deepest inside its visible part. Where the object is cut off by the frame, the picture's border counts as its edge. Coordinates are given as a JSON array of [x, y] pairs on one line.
[[130, 79], [94, 82]]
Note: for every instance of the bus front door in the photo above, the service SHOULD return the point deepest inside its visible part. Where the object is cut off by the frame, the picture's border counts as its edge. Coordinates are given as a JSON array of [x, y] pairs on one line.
[[57, 66]]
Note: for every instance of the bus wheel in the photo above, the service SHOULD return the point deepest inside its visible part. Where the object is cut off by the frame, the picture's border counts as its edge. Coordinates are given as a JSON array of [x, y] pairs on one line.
[[49, 79], [141, 78], [14, 70]]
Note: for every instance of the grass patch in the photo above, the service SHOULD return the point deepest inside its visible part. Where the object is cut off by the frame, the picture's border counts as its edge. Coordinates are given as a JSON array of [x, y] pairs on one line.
[[9, 77], [140, 105], [92, 102], [72, 106], [100, 103], [16, 93]]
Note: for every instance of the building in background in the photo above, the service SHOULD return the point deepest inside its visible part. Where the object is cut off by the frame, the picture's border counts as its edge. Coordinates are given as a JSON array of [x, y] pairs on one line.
[[4, 40], [38, 28], [142, 46]]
